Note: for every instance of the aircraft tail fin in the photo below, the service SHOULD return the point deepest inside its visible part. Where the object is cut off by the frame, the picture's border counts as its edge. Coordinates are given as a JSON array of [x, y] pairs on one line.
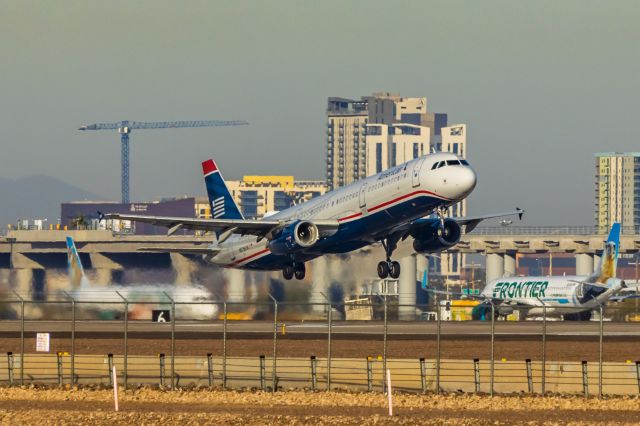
[[77, 279], [222, 204], [609, 260]]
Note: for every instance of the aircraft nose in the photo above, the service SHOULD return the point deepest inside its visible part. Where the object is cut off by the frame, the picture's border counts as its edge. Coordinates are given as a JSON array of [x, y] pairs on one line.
[[463, 181]]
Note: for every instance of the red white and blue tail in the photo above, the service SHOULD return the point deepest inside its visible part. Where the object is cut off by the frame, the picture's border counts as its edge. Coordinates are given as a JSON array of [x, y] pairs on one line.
[[222, 204]]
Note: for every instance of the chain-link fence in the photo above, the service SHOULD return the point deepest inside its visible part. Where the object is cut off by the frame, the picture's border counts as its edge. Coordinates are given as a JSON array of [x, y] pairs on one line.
[[169, 341]]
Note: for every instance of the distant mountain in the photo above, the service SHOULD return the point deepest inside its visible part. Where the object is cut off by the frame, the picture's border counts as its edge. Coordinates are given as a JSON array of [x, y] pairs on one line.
[[37, 197]]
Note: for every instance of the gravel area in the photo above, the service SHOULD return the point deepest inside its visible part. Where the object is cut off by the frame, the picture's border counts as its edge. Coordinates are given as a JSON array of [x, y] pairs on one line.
[[146, 406]]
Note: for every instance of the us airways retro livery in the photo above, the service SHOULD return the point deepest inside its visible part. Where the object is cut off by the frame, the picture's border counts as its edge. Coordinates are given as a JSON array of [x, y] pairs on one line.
[[405, 201], [574, 297]]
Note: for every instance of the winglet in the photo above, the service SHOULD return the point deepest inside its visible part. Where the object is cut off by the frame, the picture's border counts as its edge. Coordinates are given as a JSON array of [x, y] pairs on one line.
[[520, 213], [208, 167]]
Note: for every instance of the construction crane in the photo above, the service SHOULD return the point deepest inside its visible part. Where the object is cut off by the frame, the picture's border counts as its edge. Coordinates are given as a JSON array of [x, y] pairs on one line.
[[125, 127]]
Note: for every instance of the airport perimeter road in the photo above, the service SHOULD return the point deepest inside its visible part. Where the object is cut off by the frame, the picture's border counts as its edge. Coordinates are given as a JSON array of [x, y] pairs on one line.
[[202, 328]]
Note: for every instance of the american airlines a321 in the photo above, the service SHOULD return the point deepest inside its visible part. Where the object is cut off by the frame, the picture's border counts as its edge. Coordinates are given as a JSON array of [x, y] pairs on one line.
[[430, 213]]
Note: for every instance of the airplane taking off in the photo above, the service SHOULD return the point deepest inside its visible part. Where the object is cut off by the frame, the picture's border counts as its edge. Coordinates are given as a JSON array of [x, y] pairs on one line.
[[572, 296], [387, 207]]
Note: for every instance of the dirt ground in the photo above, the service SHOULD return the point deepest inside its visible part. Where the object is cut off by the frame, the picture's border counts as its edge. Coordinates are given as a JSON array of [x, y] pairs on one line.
[[146, 406], [347, 346]]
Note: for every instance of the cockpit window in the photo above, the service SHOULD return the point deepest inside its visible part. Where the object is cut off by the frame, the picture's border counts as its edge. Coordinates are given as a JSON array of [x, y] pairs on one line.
[[464, 162], [435, 165], [453, 163], [440, 164]]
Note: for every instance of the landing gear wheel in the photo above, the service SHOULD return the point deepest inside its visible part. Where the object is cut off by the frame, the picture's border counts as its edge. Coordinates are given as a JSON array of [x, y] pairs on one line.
[[394, 270], [287, 272], [383, 269], [300, 271]]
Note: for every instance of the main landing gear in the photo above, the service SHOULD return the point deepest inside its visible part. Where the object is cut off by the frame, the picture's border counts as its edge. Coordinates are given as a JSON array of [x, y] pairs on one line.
[[296, 269], [388, 268]]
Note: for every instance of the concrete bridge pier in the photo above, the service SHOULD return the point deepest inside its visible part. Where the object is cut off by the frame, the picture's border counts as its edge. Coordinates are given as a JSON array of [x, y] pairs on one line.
[[584, 263], [596, 260], [509, 264], [235, 279], [104, 268], [319, 283], [495, 266], [407, 289], [184, 268]]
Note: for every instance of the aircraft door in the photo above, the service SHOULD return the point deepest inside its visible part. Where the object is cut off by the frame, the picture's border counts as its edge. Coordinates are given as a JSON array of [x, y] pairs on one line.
[[415, 174], [363, 198]]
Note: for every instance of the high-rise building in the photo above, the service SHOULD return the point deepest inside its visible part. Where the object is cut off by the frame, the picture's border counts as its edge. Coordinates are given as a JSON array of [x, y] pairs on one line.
[[348, 150], [346, 141], [389, 145], [617, 189]]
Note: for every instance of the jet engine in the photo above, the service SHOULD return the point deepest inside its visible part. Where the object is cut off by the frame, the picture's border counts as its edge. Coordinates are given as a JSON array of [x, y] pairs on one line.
[[439, 238], [295, 236]]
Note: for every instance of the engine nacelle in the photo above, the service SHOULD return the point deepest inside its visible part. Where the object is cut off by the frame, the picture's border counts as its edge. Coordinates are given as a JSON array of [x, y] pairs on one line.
[[436, 239], [296, 236]]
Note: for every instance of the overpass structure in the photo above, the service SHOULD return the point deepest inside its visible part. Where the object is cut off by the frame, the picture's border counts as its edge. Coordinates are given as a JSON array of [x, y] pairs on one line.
[[27, 257]]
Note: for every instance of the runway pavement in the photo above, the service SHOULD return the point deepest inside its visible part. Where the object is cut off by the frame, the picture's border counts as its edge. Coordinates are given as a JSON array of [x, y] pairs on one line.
[[408, 329]]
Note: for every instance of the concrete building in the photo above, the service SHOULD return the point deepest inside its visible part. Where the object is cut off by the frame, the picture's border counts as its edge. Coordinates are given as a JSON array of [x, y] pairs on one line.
[[346, 141], [389, 145], [348, 153], [259, 195], [617, 189]]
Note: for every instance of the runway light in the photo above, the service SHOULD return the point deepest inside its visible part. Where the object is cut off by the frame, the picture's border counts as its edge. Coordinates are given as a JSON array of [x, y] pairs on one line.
[[504, 360], [379, 357]]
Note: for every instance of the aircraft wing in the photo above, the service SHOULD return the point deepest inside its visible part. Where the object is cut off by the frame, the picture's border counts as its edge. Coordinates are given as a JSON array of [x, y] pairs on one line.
[[471, 222], [184, 250], [259, 228]]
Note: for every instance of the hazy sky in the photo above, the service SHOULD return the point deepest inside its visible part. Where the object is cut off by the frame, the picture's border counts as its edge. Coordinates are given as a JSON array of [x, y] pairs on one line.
[[542, 85]]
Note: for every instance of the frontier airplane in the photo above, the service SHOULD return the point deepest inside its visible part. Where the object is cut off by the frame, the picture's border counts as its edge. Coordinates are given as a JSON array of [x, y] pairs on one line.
[[409, 200], [575, 297]]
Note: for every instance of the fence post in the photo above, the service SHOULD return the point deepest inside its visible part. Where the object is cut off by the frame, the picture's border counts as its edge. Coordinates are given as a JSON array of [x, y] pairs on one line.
[[210, 369], [423, 375], [438, 320], [313, 373], [262, 371], [476, 374], [369, 374], [224, 347], [110, 368], [162, 369], [73, 341], [600, 350], [493, 330], [59, 368], [126, 341], [10, 367], [529, 375], [384, 346], [329, 347], [275, 342], [173, 344], [585, 380], [544, 349], [21, 337], [638, 375]]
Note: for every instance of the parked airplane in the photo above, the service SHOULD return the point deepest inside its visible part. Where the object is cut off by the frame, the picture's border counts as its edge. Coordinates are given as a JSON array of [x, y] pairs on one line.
[[143, 299], [387, 207], [575, 297]]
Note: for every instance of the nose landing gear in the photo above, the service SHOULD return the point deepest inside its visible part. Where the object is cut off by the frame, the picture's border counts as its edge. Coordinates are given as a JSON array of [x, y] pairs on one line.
[[389, 268]]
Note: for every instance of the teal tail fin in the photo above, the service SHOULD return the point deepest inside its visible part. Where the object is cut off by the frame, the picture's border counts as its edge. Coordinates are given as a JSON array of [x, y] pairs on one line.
[[77, 278]]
